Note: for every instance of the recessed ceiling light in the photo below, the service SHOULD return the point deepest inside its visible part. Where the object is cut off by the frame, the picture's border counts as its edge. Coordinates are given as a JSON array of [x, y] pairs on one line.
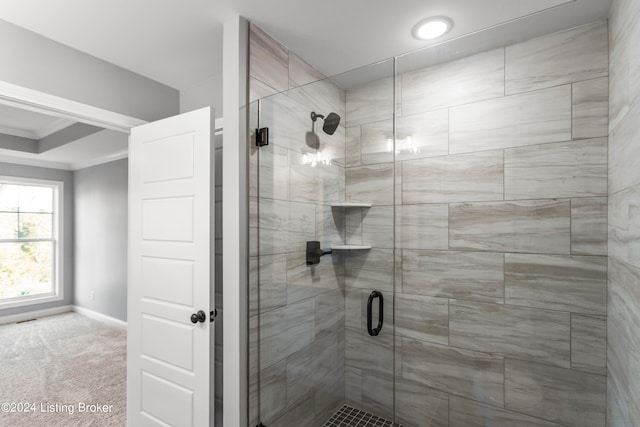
[[432, 28]]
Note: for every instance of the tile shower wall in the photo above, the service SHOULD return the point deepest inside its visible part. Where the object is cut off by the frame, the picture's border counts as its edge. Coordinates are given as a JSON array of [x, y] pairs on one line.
[[623, 349], [297, 338], [501, 237]]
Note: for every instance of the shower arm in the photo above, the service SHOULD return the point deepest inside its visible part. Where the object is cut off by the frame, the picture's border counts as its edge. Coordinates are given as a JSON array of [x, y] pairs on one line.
[[314, 116]]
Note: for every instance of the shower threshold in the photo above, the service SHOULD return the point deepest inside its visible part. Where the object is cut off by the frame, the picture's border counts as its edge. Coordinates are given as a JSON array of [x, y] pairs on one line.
[[348, 416]]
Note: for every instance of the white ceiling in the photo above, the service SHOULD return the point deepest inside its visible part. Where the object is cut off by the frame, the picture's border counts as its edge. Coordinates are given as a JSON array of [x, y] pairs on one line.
[[100, 147], [28, 124], [179, 42]]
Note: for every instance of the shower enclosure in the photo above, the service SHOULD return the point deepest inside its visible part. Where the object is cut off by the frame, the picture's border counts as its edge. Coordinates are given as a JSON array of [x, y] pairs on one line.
[[428, 236]]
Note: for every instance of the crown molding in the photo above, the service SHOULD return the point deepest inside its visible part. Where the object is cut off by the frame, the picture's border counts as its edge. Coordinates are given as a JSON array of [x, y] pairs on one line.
[[44, 103]]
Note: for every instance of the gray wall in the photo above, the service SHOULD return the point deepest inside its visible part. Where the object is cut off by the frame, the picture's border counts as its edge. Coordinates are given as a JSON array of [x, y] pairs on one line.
[[68, 275], [623, 352], [500, 208], [100, 244], [207, 93], [38, 63]]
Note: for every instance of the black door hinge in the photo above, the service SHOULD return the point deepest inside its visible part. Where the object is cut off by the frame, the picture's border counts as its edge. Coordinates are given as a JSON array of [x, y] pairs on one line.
[[262, 137]]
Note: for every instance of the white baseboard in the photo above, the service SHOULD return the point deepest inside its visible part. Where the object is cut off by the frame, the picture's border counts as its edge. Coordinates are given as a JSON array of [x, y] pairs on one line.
[[99, 316], [35, 314]]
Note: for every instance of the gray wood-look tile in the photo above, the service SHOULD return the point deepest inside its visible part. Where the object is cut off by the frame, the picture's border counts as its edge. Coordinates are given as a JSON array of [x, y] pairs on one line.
[[618, 77], [589, 343], [353, 149], [624, 226], [418, 405], [375, 354], [539, 226], [353, 305], [589, 226], [591, 108], [555, 282], [513, 121], [370, 184], [377, 394], [417, 136], [301, 413], [623, 344], [274, 226], [422, 318], [272, 287], [563, 169], [377, 226], [376, 142], [285, 330], [467, 413], [353, 230], [565, 57], [525, 333], [322, 97], [329, 313], [254, 157], [462, 81], [353, 386], [325, 358], [259, 90], [370, 269], [624, 155], [422, 226], [305, 282], [301, 73], [369, 103], [288, 122], [467, 275], [273, 391], [299, 381], [555, 394], [301, 225], [456, 178], [467, 373], [320, 183], [330, 226], [268, 59], [254, 240], [273, 170], [422, 135]]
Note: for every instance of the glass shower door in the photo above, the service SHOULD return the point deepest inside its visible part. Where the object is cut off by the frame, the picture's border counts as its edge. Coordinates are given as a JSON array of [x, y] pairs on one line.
[[297, 304], [323, 223]]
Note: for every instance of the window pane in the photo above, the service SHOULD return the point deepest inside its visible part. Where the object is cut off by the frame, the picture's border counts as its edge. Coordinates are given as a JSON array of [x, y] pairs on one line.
[[8, 225], [8, 197], [35, 226], [26, 269], [36, 199]]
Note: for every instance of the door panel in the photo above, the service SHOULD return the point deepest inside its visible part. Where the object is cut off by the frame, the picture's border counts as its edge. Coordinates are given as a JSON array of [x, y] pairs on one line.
[[169, 379]]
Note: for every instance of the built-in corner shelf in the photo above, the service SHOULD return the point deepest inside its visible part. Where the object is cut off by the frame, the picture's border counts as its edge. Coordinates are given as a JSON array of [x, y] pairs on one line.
[[349, 247], [351, 205]]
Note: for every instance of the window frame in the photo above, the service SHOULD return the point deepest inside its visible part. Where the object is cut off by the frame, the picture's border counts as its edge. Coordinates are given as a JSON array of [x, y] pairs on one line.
[[57, 293]]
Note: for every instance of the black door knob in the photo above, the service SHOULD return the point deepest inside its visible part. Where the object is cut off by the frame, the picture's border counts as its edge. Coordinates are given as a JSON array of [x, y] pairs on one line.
[[200, 316]]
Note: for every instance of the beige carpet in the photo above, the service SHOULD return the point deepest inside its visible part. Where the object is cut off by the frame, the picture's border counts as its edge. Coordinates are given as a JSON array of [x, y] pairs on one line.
[[59, 363]]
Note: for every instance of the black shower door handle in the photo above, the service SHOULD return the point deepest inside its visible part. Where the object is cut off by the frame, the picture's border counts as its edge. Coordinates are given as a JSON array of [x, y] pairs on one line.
[[373, 295]]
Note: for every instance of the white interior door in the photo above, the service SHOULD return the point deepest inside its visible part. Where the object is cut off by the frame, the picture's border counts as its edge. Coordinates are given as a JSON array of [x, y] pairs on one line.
[[169, 370]]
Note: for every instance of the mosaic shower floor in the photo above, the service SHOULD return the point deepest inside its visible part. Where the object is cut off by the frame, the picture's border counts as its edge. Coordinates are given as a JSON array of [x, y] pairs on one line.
[[352, 417]]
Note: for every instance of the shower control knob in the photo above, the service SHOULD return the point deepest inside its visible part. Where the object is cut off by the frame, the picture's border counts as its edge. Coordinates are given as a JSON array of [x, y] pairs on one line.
[[200, 316]]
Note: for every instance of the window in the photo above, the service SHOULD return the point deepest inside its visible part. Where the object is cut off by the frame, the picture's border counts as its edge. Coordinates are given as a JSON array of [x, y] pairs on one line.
[[30, 241]]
